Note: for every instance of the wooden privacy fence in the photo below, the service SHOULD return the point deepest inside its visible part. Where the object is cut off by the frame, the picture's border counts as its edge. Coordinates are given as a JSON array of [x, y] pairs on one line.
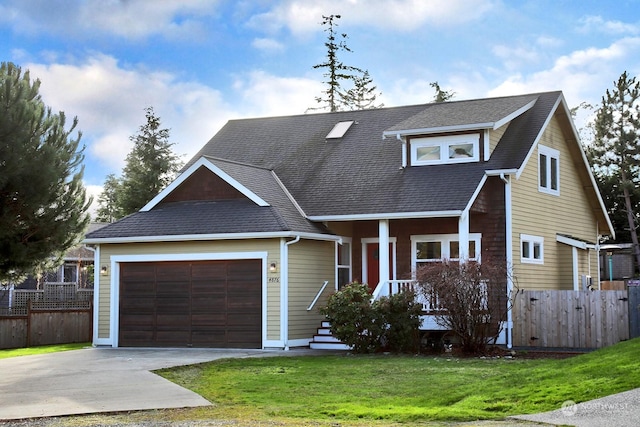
[[44, 326], [58, 314], [570, 319]]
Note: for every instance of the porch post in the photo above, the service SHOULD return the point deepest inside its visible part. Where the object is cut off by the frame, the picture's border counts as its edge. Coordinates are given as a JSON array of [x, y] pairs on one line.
[[384, 256], [463, 236], [575, 268]]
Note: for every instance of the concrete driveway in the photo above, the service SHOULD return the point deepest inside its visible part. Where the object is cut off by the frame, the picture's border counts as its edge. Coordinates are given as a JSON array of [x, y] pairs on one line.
[[95, 380]]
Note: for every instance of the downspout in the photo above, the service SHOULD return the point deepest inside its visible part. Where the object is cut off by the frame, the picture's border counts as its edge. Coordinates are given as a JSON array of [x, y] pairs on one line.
[[284, 292], [509, 251], [96, 290]]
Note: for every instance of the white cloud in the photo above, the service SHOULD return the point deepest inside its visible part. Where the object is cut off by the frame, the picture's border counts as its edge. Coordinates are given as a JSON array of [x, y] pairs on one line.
[[303, 17], [583, 75], [267, 45], [597, 24], [129, 19], [109, 101], [263, 94]]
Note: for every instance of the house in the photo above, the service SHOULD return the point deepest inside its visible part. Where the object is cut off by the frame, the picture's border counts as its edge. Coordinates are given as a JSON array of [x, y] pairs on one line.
[[61, 283], [275, 213]]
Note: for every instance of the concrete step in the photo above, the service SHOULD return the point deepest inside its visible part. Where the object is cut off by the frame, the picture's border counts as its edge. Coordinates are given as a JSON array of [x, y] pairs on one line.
[[325, 338], [324, 331], [328, 346]]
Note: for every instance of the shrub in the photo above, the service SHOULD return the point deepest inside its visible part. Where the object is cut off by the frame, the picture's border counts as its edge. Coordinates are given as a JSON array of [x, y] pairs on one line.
[[472, 297], [390, 322], [401, 315]]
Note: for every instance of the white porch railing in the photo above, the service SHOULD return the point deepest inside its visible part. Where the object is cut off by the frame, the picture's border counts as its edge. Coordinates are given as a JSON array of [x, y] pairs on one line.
[[429, 301]]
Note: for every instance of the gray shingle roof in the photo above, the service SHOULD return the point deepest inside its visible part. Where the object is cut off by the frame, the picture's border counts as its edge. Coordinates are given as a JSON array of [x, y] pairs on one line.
[[358, 174], [461, 113], [199, 217]]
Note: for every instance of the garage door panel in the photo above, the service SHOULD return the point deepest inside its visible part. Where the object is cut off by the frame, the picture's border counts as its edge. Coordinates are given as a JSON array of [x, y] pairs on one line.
[[200, 303]]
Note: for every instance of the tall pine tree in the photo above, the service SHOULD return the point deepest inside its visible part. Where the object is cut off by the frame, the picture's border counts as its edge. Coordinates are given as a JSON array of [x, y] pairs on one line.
[[150, 167], [615, 152], [43, 203], [347, 87]]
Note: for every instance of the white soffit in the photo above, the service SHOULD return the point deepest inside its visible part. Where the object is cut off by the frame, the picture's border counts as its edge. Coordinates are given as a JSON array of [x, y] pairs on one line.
[[339, 129]]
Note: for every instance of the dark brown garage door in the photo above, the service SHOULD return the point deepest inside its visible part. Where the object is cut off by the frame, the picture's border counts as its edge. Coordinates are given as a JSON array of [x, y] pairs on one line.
[[191, 304]]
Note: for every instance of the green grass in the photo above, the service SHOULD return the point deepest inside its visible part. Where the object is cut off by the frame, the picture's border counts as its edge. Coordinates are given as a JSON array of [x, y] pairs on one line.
[[41, 350], [405, 388]]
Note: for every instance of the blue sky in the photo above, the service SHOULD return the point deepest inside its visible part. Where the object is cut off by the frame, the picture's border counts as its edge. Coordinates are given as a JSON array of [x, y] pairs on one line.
[[200, 63]]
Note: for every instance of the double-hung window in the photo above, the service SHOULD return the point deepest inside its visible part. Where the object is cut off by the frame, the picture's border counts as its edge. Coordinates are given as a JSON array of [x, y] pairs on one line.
[[343, 255], [548, 170], [532, 249]]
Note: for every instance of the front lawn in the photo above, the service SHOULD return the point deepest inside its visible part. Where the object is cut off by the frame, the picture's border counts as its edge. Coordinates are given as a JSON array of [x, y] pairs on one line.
[[27, 351], [405, 388]]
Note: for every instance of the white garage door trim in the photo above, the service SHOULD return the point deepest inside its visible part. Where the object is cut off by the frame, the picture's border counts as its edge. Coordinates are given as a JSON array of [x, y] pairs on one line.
[[115, 261]]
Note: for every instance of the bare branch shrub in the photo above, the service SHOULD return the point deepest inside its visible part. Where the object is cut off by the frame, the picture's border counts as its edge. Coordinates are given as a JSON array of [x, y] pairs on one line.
[[471, 299]]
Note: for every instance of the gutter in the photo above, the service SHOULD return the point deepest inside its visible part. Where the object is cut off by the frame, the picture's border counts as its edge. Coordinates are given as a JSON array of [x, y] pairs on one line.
[[509, 251], [284, 290]]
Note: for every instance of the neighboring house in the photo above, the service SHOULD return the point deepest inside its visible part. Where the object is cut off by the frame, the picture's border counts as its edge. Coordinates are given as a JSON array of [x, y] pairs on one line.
[[235, 251], [76, 269]]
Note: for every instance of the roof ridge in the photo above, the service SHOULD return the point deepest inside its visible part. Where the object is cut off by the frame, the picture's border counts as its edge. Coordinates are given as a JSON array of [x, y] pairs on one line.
[[234, 162]]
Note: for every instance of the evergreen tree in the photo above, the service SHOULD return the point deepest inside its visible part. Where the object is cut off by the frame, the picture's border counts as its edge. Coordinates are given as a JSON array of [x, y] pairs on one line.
[[109, 209], [337, 71], [150, 167], [43, 203], [615, 152], [441, 95], [363, 95]]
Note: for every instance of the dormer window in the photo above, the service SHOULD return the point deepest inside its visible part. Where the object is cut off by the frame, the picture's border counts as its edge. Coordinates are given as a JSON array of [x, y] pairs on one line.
[[445, 149]]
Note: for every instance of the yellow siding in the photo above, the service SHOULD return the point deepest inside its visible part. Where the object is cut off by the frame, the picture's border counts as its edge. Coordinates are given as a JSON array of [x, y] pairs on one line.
[[544, 215], [310, 264], [495, 135], [271, 246]]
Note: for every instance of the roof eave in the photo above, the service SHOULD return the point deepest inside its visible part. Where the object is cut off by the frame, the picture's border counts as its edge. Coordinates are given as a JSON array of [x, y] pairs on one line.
[[201, 237], [392, 215], [441, 129]]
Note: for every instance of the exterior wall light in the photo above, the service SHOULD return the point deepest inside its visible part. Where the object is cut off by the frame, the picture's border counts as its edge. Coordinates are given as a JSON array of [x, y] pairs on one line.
[[273, 267]]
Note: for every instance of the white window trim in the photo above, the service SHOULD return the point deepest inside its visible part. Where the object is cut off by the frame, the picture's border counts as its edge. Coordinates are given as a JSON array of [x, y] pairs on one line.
[[445, 243], [344, 266], [531, 241], [549, 153], [444, 142]]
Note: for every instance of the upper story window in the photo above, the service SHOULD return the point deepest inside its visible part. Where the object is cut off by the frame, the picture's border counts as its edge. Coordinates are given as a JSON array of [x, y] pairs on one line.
[[445, 149], [548, 170]]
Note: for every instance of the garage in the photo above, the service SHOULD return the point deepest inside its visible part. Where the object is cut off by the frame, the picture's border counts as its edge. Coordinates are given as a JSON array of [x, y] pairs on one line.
[[191, 304]]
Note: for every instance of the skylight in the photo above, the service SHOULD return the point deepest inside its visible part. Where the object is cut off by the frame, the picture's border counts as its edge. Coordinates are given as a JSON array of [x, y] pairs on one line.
[[339, 129]]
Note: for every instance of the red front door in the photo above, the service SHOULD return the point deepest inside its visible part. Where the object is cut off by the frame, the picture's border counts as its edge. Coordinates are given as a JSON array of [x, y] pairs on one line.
[[373, 264]]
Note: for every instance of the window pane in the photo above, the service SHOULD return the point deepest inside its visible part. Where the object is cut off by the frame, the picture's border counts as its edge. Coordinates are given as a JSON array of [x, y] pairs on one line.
[[344, 254], [460, 151], [525, 250], [70, 273], [472, 249], [428, 250], [428, 153], [537, 251], [554, 173], [343, 277], [454, 249], [543, 171]]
